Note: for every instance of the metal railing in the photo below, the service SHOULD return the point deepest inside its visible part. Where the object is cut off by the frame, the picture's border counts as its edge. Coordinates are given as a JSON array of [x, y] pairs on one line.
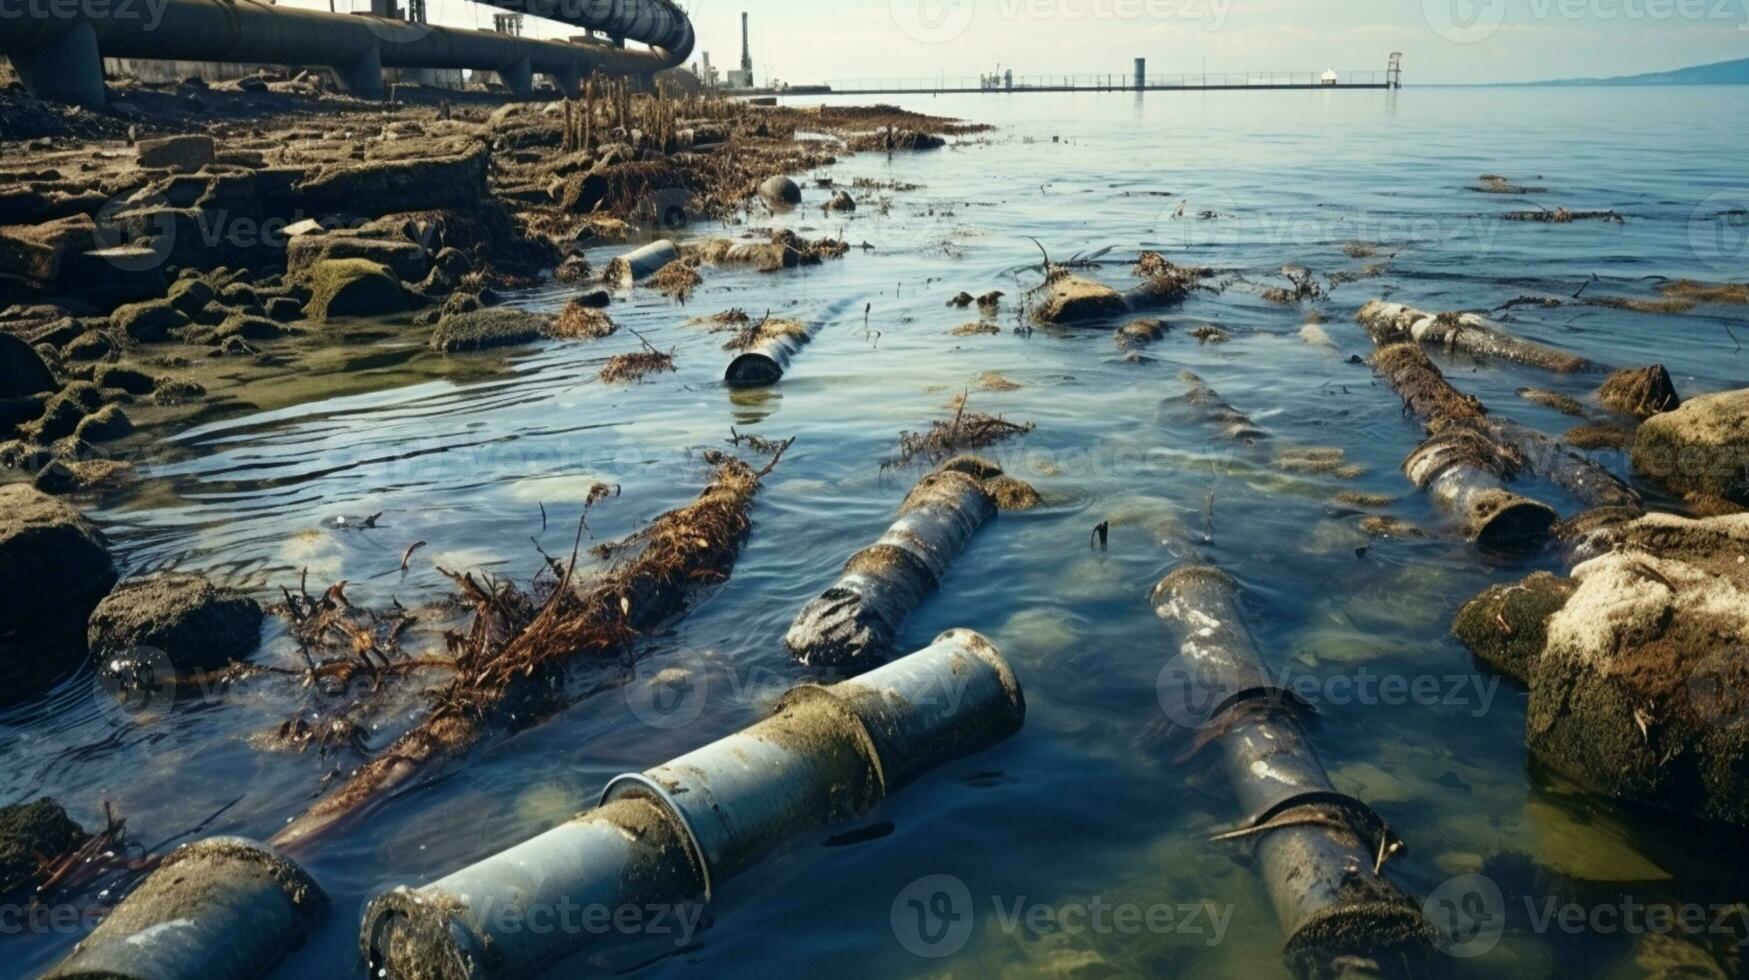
[[1111, 82]]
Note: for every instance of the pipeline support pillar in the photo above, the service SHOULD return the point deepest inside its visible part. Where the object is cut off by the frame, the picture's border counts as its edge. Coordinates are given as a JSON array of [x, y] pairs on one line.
[[519, 79], [363, 77], [67, 69]]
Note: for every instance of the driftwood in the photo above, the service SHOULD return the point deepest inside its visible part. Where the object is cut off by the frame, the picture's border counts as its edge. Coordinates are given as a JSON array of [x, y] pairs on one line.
[[511, 663], [1393, 323]]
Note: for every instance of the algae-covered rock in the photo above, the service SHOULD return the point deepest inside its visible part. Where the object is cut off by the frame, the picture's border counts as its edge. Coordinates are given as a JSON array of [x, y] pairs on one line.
[[781, 190], [1642, 690], [22, 371], [53, 571], [484, 329], [353, 287], [1073, 299], [196, 623], [1701, 447], [190, 294], [1507, 625], [104, 425], [406, 259], [434, 182], [149, 322], [30, 835], [1640, 392]]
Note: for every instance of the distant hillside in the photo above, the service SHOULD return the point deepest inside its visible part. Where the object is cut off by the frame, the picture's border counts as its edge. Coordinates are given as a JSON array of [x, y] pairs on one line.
[[1722, 73]]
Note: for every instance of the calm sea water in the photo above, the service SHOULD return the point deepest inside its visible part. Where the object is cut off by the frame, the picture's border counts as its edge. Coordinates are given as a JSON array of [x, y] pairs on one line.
[[1086, 805]]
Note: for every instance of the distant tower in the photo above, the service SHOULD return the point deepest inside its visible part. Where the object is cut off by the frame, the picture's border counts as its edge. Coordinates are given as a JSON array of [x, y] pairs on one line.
[[1394, 74], [746, 51]]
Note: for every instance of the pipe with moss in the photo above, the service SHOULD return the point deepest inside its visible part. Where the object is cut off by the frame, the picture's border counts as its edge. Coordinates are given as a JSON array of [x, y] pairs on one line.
[[853, 624], [1319, 852], [1394, 323], [224, 908], [672, 836], [768, 354]]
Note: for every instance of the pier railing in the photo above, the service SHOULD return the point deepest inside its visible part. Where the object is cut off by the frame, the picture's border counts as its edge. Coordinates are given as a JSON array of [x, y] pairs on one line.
[[1112, 82]]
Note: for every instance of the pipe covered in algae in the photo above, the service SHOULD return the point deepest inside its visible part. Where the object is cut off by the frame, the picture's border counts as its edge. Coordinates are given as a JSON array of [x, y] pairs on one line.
[[1467, 484], [1471, 333], [853, 624], [1318, 851], [671, 836], [640, 263], [224, 908]]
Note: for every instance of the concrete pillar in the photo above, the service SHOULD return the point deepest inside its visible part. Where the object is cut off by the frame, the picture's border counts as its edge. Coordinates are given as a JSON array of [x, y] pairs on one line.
[[67, 69], [364, 77], [519, 79], [1141, 73], [569, 81]]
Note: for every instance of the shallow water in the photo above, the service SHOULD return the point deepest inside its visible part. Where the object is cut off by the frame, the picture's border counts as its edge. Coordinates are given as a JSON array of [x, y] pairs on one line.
[[1086, 803]]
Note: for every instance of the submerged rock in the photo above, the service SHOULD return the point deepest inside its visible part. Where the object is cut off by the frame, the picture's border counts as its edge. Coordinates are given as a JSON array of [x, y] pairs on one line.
[[1701, 447], [197, 624], [22, 371], [149, 322], [484, 329], [53, 571], [406, 259], [1074, 300], [353, 287], [1642, 690]]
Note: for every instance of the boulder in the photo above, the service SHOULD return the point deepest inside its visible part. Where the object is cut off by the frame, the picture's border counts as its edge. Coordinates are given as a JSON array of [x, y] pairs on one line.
[[15, 412], [284, 309], [781, 190], [63, 413], [129, 379], [104, 425], [1076, 300], [53, 572], [1640, 392], [197, 624], [1701, 447], [37, 254], [380, 187], [190, 294], [1507, 625], [150, 322], [842, 201], [1641, 693], [180, 154], [407, 259], [352, 287], [484, 329], [92, 345], [22, 371]]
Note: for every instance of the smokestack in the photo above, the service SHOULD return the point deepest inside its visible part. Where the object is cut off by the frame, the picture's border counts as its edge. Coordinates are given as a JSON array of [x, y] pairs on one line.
[[746, 51]]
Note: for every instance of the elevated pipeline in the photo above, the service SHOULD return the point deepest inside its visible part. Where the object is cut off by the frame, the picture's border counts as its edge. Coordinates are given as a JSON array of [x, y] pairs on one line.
[[59, 51]]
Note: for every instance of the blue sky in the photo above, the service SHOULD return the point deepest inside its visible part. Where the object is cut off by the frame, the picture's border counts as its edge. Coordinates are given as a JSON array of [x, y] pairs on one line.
[[1441, 40]]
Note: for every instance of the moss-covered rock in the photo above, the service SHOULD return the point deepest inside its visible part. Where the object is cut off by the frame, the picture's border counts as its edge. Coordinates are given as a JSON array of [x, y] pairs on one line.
[[31, 834], [104, 425], [484, 329], [22, 371], [1507, 625], [353, 287], [1701, 447], [197, 624], [190, 294], [406, 259], [150, 322], [1642, 690], [53, 571]]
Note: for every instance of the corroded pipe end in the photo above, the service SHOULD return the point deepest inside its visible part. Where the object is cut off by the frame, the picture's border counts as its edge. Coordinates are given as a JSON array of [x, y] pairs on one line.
[[753, 369], [224, 907], [1380, 937], [1506, 521]]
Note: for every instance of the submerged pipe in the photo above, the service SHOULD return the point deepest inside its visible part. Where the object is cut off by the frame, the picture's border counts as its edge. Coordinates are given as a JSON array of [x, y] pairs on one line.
[[640, 263], [1393, 323], [1446, 468], [224, 908], [1318, 851], [674, 834], [765, 361], [59, 57], [853, 624]]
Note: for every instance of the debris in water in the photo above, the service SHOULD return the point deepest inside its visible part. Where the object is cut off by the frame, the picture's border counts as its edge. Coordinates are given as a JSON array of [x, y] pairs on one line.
[[1565, 404], [580, 322], [1496, 184], [677, 280], [634, 366], [1562, 216], [975, 328], [992, 381], [1598, 436], [966, 430], [1208, 333], [1707, 292]]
